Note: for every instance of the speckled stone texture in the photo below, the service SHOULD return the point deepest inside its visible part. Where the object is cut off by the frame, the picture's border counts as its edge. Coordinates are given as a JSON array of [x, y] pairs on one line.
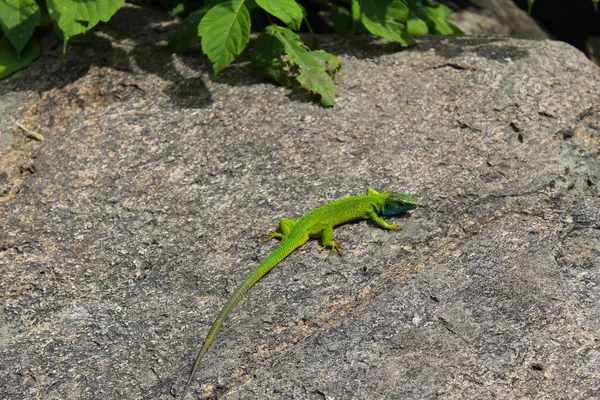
[[126, 229]]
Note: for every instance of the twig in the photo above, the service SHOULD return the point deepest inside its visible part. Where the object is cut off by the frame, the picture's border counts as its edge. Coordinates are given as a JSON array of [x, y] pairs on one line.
[[31, 134]]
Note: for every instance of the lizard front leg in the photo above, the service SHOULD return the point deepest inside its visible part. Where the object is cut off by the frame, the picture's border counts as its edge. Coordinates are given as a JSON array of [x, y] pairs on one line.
[[382, 223]]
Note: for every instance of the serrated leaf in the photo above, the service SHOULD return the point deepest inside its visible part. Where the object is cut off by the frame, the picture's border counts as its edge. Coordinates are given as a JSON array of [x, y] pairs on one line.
[[74, 17], [386, 18], [18, 19], [267, 58], [280, 53], [317, 80], [9, 60], [187, 33], [225, 31], [290, 12], [330, 62]]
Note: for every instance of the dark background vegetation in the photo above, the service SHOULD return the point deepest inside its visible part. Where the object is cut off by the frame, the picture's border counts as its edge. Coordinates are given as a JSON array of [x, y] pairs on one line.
[[573, 21]]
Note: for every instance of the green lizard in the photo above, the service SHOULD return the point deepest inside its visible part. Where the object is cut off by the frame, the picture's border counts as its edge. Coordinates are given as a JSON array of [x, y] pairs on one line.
[[317, 223]]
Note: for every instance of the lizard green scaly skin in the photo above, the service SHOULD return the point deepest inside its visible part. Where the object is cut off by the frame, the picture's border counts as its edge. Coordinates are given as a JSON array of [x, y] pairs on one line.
[[317, 223]]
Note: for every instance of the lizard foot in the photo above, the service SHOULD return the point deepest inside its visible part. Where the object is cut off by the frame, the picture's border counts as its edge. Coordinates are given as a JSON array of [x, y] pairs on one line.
[[333, 245], [273, 235]]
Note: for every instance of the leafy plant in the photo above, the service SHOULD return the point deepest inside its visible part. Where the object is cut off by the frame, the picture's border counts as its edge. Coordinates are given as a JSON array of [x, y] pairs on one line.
[[425, 18], [224, 29], [281, 54], [18, 19], [224, 26]]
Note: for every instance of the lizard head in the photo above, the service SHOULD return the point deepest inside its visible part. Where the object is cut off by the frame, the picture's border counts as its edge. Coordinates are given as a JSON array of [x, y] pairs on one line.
[[397, 203]]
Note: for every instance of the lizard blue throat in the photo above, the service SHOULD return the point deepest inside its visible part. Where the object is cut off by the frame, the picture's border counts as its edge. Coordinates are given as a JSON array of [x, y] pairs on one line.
[[317, 223]]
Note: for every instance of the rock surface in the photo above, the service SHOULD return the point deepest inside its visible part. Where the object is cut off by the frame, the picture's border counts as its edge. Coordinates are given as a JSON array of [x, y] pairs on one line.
[[125, 230]]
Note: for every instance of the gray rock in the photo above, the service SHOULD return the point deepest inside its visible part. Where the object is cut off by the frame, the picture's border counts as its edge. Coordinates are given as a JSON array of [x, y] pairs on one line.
[[153, 187], [496, 18]]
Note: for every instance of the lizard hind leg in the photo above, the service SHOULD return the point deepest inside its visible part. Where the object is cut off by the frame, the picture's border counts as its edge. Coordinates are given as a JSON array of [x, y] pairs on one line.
[[285, 227], [328, 242]]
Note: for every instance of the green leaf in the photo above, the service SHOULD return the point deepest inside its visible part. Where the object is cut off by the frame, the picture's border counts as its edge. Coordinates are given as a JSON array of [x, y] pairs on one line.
[[424, 19], [187, 33], [10, 60], [416, 26], [18, 19], [269, 57], [386, 18], [438, 17], [74, 17], [595, 4], [330, 62], [280, 53], [82, 38], [288, 11], [225, 31]]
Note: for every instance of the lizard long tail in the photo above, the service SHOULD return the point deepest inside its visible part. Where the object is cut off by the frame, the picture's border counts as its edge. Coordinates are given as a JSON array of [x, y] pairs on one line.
[[285, 248]]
